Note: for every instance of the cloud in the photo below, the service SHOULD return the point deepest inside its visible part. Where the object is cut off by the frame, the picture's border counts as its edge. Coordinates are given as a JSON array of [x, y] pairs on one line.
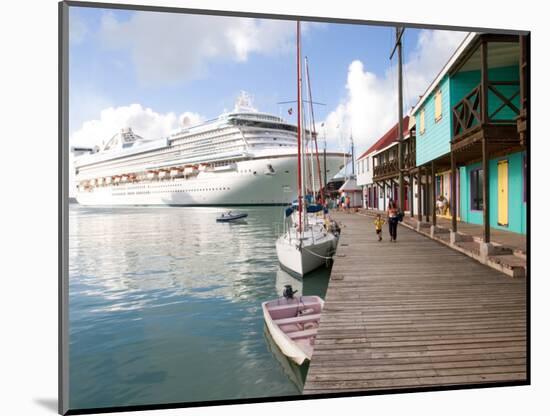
[[169, 48], [144, 121], [85, 103], [370, 106]]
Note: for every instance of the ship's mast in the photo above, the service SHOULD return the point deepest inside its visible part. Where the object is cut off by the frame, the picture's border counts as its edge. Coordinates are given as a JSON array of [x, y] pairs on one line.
[[299, 131], [314, 134], [400, 147], [310, 134]]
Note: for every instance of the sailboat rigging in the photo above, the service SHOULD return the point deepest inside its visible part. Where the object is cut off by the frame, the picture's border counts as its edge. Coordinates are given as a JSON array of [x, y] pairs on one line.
[[306, 243]]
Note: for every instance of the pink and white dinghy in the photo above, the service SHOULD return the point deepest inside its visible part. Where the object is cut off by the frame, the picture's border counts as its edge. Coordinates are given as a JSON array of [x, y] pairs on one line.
[[293, 323]]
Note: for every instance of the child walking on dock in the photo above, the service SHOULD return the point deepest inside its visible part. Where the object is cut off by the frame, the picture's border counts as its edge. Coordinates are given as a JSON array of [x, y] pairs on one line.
[[378, 223]]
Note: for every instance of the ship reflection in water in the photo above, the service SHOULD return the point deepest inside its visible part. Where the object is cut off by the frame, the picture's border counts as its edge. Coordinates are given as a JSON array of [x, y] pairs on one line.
[[165, 306]]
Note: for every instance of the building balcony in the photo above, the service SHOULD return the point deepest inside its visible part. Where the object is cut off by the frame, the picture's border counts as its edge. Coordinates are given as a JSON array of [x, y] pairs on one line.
[[491, 116], [390, 169]]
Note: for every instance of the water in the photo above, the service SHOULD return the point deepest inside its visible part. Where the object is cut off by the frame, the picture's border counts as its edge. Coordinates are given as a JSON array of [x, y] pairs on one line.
[[165, 306]]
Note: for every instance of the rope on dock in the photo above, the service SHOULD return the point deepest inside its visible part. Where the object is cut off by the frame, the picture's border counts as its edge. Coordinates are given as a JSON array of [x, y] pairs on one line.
[[318, 255]]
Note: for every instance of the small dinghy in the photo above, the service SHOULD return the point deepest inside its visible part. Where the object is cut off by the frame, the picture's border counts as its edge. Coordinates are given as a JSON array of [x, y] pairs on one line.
[[231, 216], [293, 323]]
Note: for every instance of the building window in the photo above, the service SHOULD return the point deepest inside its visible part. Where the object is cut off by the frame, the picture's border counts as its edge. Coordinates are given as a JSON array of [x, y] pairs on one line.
[[437, 104], [422, 124], [476, 189]]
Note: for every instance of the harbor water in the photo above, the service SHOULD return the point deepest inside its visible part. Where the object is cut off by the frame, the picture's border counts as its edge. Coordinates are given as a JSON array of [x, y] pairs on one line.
[[165, 306]]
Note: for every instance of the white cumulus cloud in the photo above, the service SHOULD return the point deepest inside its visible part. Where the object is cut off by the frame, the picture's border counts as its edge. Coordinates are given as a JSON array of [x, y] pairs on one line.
[[168, 48], [370, 106], [144, 121]]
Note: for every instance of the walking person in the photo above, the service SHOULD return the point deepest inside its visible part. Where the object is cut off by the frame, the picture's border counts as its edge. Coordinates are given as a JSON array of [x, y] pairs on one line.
[[378, 223], [393, 219]]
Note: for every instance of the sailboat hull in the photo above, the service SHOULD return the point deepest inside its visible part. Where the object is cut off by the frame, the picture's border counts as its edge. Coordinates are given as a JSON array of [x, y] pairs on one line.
[[300, 261]]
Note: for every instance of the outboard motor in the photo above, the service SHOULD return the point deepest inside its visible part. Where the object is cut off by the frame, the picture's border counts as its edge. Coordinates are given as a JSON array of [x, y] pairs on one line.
[[288, 293]]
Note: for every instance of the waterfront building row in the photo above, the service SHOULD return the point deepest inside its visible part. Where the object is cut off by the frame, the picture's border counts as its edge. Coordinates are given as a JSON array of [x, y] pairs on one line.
[[465, 144]]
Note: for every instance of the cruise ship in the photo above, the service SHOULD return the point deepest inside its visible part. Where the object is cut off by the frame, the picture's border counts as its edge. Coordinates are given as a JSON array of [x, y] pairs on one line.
[[243, 157]]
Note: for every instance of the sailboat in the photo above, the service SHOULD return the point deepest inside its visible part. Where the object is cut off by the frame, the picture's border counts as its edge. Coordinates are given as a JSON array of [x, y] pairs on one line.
[[306, 243]]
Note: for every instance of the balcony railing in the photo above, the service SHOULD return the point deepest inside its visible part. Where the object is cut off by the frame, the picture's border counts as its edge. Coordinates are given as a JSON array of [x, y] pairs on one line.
[[468, 112], [392, 167]]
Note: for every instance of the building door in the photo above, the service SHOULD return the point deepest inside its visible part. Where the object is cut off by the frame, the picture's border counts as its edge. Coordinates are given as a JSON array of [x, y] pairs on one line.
[[503, 192]]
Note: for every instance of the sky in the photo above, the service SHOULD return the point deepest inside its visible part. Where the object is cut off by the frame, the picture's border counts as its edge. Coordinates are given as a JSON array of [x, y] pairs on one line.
[[156, 72]]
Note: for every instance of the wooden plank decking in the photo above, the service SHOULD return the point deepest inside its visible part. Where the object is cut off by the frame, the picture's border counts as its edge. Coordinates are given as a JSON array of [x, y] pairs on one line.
[[414, 314]]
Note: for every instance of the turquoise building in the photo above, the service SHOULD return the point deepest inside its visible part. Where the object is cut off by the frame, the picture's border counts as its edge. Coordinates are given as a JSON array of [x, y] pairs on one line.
[[433, 132], [517, 193], [466, 127]]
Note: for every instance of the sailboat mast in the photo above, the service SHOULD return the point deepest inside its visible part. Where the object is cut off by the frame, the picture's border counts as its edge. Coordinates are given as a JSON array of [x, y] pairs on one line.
[[299, 135], [310, 135], [314, 133]]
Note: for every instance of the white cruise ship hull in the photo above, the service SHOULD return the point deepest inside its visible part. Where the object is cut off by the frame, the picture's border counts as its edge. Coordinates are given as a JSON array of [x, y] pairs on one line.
[[249, 182]]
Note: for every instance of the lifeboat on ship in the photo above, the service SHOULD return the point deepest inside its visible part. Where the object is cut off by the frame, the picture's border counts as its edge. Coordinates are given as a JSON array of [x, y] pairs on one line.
[[152, 174], [101, 181], [203, 167], [108, 180], [116, 179], [174, 172], [190, 170], [163, 173]]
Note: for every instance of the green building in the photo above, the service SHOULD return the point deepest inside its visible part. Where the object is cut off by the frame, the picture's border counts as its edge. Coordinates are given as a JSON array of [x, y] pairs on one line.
[[470, 137]]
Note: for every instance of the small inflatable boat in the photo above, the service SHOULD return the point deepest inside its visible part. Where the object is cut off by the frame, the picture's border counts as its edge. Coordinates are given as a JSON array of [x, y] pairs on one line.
[[231, 216]]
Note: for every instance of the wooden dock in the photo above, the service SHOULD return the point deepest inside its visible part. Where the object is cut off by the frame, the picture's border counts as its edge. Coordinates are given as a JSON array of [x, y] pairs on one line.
[[414, 314]]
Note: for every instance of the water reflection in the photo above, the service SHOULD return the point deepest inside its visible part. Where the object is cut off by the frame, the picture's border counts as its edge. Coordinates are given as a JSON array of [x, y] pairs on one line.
[[283, 278], [165, 306], [137, 250], [295, 373]]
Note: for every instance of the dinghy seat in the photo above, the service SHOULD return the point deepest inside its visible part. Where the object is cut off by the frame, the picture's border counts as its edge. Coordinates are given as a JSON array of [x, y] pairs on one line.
[[297, 319], [291, 306], [307, 311], [302, 334]]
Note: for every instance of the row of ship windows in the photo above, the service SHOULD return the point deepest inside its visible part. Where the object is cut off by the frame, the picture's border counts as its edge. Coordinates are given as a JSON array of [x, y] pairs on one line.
[[217, 139], [172, 185], [232, 136], [148, 154], [212, 133], [202, 150], [177, 190], [221, 188], [137, 162]]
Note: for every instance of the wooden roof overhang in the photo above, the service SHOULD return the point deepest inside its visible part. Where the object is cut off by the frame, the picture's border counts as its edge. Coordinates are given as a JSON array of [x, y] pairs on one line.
[[441, 164], [506, 49], [500, 140], [385, 177]]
